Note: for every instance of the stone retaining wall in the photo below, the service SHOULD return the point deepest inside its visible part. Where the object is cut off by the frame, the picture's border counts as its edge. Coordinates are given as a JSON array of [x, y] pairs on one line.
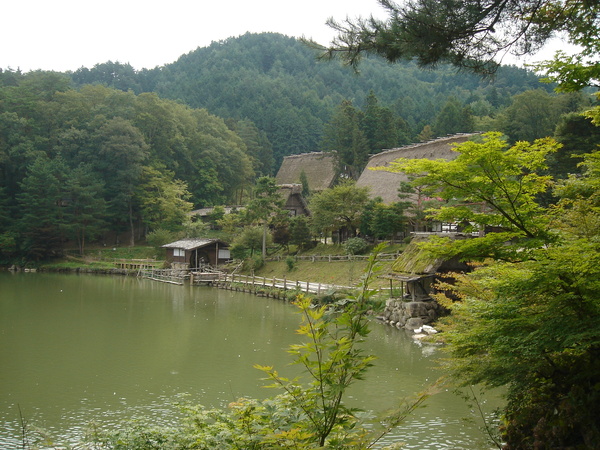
[[410, 315]]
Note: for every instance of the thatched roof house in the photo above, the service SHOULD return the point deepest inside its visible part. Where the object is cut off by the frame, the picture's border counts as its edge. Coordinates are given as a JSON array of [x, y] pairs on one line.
[[293, 199], [206, 212], [319, 168], [385, 184]]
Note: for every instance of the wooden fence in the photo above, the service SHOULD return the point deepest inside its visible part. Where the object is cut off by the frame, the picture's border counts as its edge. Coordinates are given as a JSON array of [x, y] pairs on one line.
[[172, 276], [137, 264], [332, 258], [278, 283]]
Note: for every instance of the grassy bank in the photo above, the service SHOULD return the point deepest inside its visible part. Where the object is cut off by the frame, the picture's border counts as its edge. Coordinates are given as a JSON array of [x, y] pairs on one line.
[[344, 273], [98, 258]]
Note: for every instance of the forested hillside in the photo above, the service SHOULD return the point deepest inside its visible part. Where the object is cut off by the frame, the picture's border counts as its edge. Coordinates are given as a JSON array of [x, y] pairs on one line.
[[276, 82], [108, 150], [79, 164]]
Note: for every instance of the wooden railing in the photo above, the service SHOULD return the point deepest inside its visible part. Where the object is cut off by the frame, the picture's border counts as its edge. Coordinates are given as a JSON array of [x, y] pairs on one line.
[[280, 283], [332, 258], [137, 263], [164, 275]]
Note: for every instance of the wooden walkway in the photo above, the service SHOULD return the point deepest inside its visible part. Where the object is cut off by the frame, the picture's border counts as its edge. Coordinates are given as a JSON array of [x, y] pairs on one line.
[[221, 279], [277, 283], [171, 276], [137, 264]]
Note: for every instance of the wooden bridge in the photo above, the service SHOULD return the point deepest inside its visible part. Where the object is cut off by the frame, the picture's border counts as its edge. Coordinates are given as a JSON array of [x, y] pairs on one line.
[[137, 264], [222, 279], [274, 283], [172, 276]]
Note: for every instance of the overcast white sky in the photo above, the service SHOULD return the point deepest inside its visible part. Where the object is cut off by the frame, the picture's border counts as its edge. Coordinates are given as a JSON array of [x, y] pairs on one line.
[[68, 34]]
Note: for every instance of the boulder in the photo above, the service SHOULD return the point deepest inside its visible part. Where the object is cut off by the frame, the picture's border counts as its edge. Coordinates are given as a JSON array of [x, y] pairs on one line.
[[413, 323]]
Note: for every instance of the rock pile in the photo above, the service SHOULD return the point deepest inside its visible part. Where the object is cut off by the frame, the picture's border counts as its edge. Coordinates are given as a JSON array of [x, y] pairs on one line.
[[410, 315]]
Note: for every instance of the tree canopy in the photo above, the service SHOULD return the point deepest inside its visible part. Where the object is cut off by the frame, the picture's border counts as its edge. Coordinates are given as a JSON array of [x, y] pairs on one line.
[[474, 34], [114, 127], [338, 208], [528, 317], [275, 83], [94, 162]]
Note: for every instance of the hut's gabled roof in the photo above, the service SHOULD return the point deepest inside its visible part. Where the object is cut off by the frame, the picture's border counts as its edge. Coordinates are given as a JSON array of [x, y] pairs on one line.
[[319, 168], [291, 194], [204, 212], [385, 184], [192, 243], [416, 262]]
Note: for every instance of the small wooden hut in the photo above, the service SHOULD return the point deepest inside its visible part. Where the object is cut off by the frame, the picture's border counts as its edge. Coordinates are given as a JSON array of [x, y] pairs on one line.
[[196, 253], [416, 269]]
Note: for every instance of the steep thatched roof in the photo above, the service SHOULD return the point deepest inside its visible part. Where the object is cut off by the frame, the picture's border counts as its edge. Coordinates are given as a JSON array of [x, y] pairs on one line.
[[319, 168], [291, 194], [205, 212], [415, 261], [385, 184]]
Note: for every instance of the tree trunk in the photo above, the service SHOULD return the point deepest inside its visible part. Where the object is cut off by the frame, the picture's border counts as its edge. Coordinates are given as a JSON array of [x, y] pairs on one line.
[[264, 241], [131, 226]]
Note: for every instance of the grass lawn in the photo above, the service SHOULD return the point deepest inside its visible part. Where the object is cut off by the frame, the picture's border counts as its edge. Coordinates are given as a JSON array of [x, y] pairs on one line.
[[344, 273]]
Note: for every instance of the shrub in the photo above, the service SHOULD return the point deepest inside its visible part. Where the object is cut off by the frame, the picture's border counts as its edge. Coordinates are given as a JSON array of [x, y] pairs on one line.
[[238, 251], [160, 237], [355, 246], [291, 263], [254, 263]]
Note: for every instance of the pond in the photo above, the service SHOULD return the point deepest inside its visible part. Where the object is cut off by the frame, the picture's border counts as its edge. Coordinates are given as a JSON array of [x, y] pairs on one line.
[[81, 348]]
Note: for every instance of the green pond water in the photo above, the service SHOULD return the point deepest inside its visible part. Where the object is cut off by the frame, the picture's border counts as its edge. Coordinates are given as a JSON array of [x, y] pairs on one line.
[[81, 348]]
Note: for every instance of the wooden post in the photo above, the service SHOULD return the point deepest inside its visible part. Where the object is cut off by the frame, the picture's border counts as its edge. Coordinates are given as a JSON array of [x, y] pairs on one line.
[[284, 283], [391, 289], [307, 287], [319, 289]]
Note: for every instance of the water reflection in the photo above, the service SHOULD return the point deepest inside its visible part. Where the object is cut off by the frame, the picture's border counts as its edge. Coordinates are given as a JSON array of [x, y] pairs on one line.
[[77, 348]]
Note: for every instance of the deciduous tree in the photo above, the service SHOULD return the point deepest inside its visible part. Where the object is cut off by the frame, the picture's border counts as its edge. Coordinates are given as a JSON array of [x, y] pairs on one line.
[[529, 319], [122, 152], [162, 199], [338, 208], [266, 205], [497, 186]]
